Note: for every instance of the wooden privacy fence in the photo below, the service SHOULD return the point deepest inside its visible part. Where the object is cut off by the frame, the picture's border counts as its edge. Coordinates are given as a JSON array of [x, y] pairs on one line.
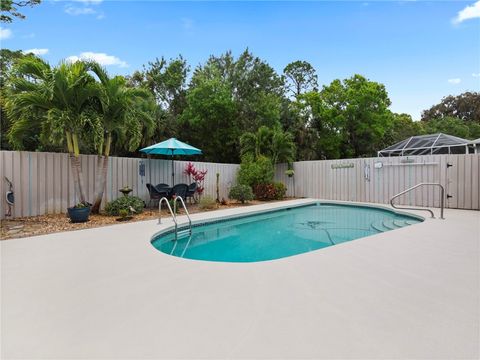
[[43, 181], [376, 180]]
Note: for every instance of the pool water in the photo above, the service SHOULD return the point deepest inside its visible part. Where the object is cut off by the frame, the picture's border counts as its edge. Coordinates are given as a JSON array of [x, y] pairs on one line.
[[281, 233]]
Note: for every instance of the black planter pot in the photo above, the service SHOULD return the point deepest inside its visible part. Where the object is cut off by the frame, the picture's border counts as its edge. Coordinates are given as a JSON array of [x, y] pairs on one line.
[[78, 215]]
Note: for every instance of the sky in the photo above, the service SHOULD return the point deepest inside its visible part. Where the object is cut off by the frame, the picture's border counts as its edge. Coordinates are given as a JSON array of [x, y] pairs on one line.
[[421, 50]]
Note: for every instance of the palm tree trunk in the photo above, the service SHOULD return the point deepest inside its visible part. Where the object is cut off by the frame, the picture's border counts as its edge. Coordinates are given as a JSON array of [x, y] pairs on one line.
[[77, 168], [102, 171], [98, 185], [72, 145]]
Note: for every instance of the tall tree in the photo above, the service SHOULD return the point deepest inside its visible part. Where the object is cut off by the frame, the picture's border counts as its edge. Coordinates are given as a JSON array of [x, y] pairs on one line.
[[359, 108], [209, 120], [301, 77], [167, 81], [453, 126], [126, 114], [255, 87], [9, 9], [402, 127], [465, 106]]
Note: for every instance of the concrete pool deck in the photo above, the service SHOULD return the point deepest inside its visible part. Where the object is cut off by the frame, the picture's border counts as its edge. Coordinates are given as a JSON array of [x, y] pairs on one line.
[[108, 293]]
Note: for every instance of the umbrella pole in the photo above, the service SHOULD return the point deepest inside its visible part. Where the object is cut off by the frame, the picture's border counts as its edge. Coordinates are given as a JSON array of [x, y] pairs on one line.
[[149, 170], [173, 172]]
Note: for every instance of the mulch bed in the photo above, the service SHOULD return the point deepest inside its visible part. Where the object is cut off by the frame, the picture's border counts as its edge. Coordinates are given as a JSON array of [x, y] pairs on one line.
[[52, 223]]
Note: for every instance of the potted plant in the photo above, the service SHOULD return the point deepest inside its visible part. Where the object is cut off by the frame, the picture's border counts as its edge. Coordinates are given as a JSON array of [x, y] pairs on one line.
[[290, 172], [79, 213]]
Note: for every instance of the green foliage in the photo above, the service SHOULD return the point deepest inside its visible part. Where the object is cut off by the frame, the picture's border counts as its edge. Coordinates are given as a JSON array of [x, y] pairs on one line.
[[301, 77], [290, 172], [465, 107], [207, 202], [452, 126], [123, 213], [253, 172], [210, 120], [231, 108], [280, 190], [270, 191], [114, 207], [80, 206], [241, 193], [9, 9], [273, 143]]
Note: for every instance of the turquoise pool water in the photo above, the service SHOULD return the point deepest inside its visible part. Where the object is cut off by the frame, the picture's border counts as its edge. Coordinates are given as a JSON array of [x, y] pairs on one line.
[[281, 233]]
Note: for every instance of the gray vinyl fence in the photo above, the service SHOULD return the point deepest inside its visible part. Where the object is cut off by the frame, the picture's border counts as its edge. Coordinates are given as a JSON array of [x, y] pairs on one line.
[[43, 182], [376, 180]]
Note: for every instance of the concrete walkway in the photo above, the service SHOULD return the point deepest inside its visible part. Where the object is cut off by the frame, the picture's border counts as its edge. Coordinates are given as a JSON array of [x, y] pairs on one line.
[[107, 293]]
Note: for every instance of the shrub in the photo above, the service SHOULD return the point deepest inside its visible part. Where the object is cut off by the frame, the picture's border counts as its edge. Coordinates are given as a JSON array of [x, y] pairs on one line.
[[280, 190], [264, 192], [241, 193], [123, 213], [124, 203], [270, 191], [252, 172], [207, 202]]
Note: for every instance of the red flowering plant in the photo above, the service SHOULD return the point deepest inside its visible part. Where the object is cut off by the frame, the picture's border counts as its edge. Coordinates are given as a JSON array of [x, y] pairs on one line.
[[197, 175]]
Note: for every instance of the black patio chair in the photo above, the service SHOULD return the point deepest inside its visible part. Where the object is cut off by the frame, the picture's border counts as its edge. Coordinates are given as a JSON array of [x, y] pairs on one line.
[[179, 190], [156, 194], [191, 191], [162, 185]]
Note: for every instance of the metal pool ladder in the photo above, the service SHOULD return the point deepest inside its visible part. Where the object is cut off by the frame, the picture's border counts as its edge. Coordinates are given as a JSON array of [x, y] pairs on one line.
[[174, 217], [442, 199]]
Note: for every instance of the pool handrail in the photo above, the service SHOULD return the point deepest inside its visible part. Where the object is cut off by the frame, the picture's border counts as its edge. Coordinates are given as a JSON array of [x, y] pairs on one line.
[[186, 212], [442, 199], [174, 218]]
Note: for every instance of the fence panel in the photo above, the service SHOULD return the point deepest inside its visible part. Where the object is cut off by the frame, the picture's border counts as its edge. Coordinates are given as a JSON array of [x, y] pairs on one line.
[[378, 179], [43, 182]]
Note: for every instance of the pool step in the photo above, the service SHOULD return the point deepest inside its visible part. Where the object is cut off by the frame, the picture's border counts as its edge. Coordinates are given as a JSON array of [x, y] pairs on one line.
[[378, 226], [390, 224]]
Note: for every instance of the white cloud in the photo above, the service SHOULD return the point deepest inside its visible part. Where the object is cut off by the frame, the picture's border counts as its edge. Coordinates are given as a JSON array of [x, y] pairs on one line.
[[476, 74], [470, 12], [5, 33], [101, 58], [36, 51], [455, 81], [73, 10]]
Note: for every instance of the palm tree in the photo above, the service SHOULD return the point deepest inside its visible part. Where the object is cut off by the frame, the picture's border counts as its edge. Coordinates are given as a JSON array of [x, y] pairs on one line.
[[283, 147], [273, 143], [126, 114], [62, 97]]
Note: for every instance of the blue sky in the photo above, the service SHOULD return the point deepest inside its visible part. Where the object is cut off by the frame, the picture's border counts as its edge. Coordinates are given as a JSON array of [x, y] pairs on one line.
[[420, 50]]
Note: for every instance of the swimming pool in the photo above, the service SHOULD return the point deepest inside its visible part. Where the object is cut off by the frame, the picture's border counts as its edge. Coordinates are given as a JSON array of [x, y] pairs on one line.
[[280, 233]]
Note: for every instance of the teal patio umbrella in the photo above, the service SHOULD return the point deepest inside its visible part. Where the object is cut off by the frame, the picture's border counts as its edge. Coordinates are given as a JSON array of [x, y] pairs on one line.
[[171, 147]]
